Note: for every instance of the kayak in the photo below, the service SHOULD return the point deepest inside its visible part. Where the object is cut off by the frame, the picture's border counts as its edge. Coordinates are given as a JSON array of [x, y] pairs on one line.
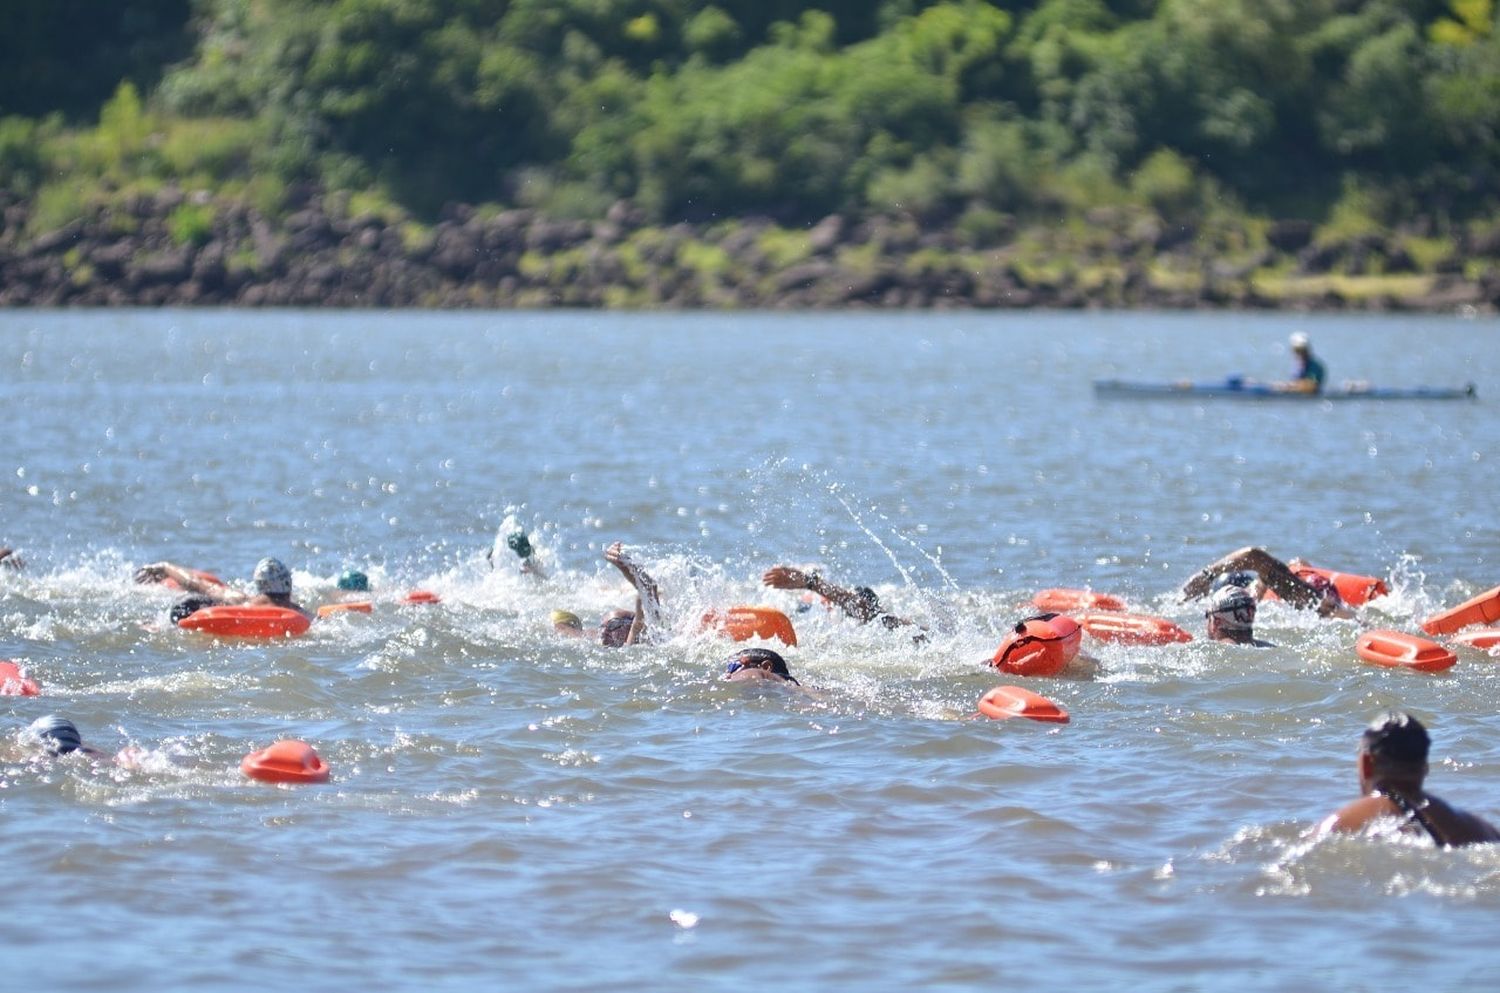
[[1241, 389]]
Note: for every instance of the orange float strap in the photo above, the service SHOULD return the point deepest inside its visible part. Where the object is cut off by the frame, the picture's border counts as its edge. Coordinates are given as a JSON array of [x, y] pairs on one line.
[[1066, 601], [242, 621], [1354, 590], [1479, 637], [1132, 629], [1483, 609], [1396, 649], [1013, 701], [745, 622], [357, 607], [287, 761], [12, 683], [1039, 646], [421, 596]]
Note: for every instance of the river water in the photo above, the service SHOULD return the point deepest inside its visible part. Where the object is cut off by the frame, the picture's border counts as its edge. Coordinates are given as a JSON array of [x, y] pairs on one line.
[[510, 807]]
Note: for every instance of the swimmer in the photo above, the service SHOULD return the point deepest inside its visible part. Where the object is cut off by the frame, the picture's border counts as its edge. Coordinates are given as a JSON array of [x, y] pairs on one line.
[[1309, 374], [58, 736], [1231, 617], [751, 664], [353, 581], [1247, 566], [1392, 764], [272, 580], [10, 560], [568, 624], [625, 627], [860, 603], [517, 542]]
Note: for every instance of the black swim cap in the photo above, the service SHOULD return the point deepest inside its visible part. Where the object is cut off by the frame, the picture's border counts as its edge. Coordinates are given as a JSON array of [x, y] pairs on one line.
[[1396, 738], [758, 658], [57, 734]]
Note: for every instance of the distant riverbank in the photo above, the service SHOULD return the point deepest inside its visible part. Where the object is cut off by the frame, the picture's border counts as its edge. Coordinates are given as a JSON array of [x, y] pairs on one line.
[[180, 249]]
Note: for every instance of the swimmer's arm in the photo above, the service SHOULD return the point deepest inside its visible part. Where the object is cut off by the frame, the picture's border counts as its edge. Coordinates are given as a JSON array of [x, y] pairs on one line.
[[785, 577], [648, 597], [10, 560], [190, 582]]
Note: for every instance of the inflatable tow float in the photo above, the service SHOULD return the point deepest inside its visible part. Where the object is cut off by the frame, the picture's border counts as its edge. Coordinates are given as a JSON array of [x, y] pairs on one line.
[[287, 761], [1066, 601], [356, 607], [1483, 609], [1354, 590], [1132, 629], [1039, 646], [243, 621], [1478, 638], [745, 622], [12, 683], [1012, 701], [1396, 649]]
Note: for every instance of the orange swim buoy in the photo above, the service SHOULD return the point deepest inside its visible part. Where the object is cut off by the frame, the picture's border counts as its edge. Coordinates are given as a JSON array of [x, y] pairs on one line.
[[1013, 701], [287, 761], [357, 607], [1479, 637], [1354, 590], [421, 596], [1132, 629], [241, 621], [745, 622], [1066, 601], [1483, 609], [1039, 646], [12, 683], [1397, 649]]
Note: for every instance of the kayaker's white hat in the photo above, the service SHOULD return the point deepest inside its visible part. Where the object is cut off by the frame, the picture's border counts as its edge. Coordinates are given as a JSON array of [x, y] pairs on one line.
[[1298, 341]]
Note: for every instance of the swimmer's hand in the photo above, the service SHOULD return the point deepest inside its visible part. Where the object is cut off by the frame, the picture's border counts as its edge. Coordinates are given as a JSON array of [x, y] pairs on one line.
[[153, 573], [615, 554], [10, 560], [785, 577]]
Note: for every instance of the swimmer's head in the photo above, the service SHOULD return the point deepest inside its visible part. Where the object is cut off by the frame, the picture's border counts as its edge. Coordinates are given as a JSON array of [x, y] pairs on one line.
[[272, 578], [1329, 598], [1299, 342], [616, 628], [1233, 608], [354, 581], [566, 620], [1396, 744], [56, 734], [758, 658]]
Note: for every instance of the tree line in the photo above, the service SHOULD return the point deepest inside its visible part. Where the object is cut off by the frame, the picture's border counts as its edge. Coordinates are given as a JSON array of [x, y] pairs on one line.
[[955, 112]]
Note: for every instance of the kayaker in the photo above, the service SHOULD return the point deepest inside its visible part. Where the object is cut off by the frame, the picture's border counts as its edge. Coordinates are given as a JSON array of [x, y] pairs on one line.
[[1309, 374]]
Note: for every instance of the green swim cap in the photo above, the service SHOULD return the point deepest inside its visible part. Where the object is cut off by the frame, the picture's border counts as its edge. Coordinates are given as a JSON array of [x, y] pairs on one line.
[[353, 579], [567, 619], [519, 544]]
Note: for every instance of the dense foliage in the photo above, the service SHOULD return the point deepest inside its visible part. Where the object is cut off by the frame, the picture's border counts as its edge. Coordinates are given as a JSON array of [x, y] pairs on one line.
[[1344, 112]]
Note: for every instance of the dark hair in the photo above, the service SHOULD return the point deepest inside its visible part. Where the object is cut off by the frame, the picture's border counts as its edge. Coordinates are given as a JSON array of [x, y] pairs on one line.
[[189, 605], [758, 658], [1396, 739]]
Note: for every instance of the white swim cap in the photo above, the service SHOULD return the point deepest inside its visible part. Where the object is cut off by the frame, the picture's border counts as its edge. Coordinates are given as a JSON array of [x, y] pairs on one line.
[[1234, 607], [1298, 341], [273, 577]]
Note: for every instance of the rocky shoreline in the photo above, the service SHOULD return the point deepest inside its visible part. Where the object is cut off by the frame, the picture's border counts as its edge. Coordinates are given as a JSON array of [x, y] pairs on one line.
[[175, 249]]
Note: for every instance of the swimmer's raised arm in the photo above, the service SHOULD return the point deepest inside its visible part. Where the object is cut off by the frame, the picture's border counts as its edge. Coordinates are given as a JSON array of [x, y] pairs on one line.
[[861, 603], [10, 560], [647, 596], [1273, 572]]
